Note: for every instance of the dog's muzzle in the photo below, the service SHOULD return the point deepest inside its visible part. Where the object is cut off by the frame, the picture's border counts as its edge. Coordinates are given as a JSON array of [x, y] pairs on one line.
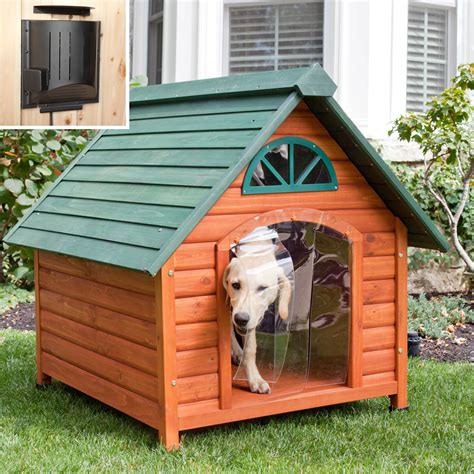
[[240, 321]]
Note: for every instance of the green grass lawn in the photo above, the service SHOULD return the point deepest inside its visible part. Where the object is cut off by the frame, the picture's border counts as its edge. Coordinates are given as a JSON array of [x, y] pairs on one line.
[[59, 430]]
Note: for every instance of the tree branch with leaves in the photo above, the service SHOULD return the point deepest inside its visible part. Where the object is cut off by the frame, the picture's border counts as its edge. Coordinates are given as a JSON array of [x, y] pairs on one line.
[[445, 135]]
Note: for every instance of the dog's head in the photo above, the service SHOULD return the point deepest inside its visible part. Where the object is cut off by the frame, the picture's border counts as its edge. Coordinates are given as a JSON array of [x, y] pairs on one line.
[[253, 281]]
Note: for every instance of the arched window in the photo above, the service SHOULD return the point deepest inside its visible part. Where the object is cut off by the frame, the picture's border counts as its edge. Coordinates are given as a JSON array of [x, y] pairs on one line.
[[289, 165]]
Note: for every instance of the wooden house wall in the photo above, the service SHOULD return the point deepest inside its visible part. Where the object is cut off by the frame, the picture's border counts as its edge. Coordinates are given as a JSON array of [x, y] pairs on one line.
[[354, 201], [97, 333]]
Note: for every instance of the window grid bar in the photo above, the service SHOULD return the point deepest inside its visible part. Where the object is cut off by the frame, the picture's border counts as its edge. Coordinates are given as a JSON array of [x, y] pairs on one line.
[[291, 163], [308, 169], [274, 171]]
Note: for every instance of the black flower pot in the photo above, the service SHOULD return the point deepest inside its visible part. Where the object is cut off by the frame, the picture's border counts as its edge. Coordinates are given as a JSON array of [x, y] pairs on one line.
[[413, 344]]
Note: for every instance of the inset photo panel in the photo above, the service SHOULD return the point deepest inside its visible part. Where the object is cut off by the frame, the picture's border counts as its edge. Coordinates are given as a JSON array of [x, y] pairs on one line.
[[64, 64]]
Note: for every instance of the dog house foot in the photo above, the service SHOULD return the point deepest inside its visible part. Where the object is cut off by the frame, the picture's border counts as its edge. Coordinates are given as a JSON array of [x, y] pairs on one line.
[[397, 404], [43, 381]]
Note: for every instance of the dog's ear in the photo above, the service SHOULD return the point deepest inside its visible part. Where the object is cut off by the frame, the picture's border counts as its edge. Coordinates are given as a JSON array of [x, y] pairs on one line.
[[225, 276], [284, 293]]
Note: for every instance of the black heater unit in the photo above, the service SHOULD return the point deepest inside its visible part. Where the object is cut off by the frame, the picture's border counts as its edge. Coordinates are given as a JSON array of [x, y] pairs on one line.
[[60, 64]]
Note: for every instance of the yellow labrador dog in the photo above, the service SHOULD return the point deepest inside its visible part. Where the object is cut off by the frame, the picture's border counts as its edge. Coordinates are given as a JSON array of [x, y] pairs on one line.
[[253, 281]]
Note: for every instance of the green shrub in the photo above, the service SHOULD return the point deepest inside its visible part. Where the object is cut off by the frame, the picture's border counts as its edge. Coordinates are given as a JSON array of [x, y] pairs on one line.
[[10, 296], [30, 160], [432, 317]]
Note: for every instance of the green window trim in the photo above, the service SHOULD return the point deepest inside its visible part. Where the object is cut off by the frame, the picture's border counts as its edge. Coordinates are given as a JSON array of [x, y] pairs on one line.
[[292, 186]]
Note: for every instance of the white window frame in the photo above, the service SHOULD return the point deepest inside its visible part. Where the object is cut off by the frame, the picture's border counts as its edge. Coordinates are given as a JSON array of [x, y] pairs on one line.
[[329, 32], [451, 8]]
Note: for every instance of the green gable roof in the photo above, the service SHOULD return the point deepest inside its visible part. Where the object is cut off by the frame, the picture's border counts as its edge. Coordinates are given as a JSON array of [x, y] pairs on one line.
[[134, 195]]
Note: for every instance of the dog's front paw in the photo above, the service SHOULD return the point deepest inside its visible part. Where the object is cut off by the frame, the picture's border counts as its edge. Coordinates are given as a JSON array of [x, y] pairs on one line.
[[259, 386]]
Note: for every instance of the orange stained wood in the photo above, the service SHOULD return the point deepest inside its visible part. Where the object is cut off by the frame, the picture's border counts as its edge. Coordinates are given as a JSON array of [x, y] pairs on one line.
[[356, 341], [196, 336], [375, 339], [376, 362], [400, 400], [377, 315], [195, 256], [224, 327], [197, 362], [128, 302], [167, 372], [109, 369], [196, 309], [113, 276], [195, 282], [213, 228], [113, 322], [244, 407], [128, 402], [41, 377], [130, 353]]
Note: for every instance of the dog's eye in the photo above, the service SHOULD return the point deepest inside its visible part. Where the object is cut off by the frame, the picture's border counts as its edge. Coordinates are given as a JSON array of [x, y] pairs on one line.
[[236, 286], [262, 288]]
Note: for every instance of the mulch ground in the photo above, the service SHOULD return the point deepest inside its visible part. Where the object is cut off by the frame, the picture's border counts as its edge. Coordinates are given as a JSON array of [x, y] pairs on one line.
[[459, 347]]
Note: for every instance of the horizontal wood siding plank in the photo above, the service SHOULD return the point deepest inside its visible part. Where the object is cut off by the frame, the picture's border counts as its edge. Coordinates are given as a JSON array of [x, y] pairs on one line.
[[113, 231], [201, 387], [166, 216], [378, 291], [112, 322], [195, 282], [109, 369], [108, 345], [196, 336], [121, 255], [378, 268], [127, 302], [346, 197], [147, 175], [107, 274], [197, 362], [378, 244], [377, 315], [216, 227], [196, 309], [375, 339], [206, 107], [377, 362], [376, 379], [179, 196], [183, 140], [233, 121], [301, 124], [217, 158], [195, 256], [130, 403]]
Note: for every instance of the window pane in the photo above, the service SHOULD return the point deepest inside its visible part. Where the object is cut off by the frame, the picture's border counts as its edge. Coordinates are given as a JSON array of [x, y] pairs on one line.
[[278, 36], [303, 157], [319, 174], [278, 159], [427, 55]]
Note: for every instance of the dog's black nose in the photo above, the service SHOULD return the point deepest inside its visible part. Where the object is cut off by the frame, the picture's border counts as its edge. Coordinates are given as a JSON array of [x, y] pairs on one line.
[[241, 319]]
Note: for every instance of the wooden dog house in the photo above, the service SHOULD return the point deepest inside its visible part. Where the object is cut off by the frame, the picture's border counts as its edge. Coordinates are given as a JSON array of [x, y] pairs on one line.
[[132, 241]]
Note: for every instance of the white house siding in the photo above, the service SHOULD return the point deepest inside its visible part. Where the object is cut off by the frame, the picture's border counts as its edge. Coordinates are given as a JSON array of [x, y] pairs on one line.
[[365, 51]]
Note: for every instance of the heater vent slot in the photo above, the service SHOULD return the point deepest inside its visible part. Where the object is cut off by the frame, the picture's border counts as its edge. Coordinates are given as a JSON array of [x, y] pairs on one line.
[[60, 63], [63, 10]]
